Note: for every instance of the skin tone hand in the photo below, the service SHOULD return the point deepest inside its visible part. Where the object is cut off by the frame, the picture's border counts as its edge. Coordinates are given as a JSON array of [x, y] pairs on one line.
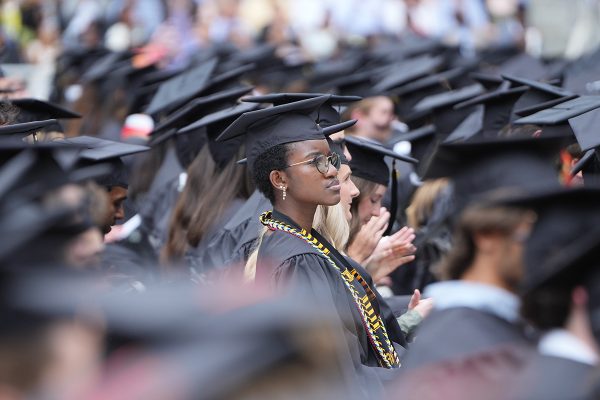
[[422, 306], [368, 237], [390, 253]]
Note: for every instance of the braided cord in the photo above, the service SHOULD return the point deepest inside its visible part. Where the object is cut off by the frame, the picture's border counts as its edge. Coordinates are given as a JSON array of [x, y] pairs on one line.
[[370, 319]]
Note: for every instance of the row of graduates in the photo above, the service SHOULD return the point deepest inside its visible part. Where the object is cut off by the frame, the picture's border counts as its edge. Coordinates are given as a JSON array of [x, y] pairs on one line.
[[317, 190]]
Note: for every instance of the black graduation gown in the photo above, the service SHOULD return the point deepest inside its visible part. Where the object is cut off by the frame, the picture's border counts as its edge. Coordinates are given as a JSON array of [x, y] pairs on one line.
[[458, 333], [290, 263], [233, 243], [555, 378]]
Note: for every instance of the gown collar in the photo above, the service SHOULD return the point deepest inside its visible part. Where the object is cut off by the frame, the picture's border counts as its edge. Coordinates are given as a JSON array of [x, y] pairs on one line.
[[479, 296], [563, 344]]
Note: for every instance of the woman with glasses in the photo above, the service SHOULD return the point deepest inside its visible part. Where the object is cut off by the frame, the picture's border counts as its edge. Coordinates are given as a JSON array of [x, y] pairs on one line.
[[293, 166]]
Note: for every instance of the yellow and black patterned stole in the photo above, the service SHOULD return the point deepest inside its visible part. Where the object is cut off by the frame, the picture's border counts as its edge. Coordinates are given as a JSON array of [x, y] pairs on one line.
[[358, 288]]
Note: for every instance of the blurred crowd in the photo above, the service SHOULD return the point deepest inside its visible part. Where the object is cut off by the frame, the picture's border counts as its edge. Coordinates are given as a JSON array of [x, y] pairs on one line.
[[299, 199]]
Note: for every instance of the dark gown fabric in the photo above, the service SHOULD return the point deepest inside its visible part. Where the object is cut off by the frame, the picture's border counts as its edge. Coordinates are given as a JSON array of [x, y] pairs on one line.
[[460, 332], [291, 264], [554, 378], [232, 244], [489, 375]]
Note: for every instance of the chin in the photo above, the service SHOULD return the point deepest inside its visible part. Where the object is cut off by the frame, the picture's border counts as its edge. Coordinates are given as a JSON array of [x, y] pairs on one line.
[[331, 201]]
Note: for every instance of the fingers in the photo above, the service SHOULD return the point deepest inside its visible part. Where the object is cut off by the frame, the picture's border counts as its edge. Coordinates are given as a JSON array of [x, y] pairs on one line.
[[414, 299]]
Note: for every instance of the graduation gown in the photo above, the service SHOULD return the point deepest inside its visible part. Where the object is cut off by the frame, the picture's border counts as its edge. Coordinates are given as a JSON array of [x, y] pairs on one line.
[[233, 243], [458, 333], [290, 263], [555, 378]]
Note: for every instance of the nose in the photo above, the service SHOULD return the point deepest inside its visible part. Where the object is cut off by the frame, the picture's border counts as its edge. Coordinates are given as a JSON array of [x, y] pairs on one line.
[[332, 171], [120, 213], [354, 192]]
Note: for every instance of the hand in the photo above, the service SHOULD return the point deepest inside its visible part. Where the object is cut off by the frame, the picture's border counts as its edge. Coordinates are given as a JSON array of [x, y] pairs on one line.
[[390, 253], [422, 306], [368, 237]]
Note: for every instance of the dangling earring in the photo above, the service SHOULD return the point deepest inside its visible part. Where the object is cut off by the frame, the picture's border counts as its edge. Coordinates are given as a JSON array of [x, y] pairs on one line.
[[284, 189]]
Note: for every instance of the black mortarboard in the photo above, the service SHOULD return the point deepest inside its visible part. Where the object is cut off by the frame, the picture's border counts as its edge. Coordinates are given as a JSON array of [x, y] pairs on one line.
[[407, 71], [539, 93], [422, 142], [489, 81], [469, 127], [288, 123], [105, 65], [39, 110], [441, 79], [439, 108], [96, 149], [585, 127], [526, 111], [450, 98], [525, 66], [498, 106], [181, 88], [368, 160], [214, 124], [356, 84], [201, 106], [327, 115], [556, 118], [227, 80], [102, 151], [26, 128], [483, 165], [556, 240]]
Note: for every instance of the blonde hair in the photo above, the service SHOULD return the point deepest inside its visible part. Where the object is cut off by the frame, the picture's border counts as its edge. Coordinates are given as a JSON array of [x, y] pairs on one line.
[[329, 221], [421, 206]]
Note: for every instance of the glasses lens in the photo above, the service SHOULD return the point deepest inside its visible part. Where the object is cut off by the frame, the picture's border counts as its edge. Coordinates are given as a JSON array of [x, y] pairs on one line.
[[336, 161], [322, 163]]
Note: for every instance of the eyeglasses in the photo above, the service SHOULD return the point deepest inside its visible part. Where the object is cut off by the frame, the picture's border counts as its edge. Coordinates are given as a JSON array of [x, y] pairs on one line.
[[322, 162]]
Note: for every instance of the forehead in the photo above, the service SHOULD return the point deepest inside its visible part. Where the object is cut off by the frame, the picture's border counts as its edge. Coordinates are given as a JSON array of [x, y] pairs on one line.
[[309, 146]]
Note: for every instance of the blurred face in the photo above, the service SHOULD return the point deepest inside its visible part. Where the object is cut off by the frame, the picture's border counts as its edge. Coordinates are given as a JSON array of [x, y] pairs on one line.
[[376, 122], [84, 251], [304, 183], [511, 266], [117, 196], [348, 190], [370, 204]]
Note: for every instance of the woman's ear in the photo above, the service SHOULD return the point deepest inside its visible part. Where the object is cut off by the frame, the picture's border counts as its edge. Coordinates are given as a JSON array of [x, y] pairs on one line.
[[279, 179]]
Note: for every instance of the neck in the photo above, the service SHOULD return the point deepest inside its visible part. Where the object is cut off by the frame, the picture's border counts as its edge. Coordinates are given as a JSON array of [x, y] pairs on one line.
[[302, 214], [482, 271]]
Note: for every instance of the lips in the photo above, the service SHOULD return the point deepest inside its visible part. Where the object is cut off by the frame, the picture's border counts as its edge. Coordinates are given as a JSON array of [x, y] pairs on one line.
[[334, 184]]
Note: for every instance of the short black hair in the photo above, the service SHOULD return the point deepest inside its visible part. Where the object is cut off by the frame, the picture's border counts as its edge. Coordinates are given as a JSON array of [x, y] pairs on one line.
[[274, 158]]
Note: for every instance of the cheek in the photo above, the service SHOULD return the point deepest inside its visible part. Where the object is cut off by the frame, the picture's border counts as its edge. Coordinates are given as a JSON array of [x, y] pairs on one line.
[[364, 209]]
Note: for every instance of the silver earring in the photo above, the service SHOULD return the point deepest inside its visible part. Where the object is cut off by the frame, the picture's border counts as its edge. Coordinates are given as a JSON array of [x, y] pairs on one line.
[[284, 189]]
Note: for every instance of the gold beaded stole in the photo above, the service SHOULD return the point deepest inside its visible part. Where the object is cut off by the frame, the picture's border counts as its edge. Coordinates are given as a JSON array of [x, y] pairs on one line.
[[358, 288]]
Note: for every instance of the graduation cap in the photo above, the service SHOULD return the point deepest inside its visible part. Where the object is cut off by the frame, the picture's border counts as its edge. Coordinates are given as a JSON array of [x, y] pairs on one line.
[[105, 65], [201, 106], [368, 159], [469, 127], [481, 166], [526, 111], [498, 107], [539, 94], [585, 127], [421, 142], [556, 243], [37, 110], [100, 151], [556, 118], [214, 124], [327, 115], [407, 71], [181, 88], [488, 81], [287, 123], [227, 79], [368, 162], [26, 128], [439, 108]]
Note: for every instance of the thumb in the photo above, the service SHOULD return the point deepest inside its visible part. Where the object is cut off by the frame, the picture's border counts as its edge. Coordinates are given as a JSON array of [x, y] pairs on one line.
[[414, 300]]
